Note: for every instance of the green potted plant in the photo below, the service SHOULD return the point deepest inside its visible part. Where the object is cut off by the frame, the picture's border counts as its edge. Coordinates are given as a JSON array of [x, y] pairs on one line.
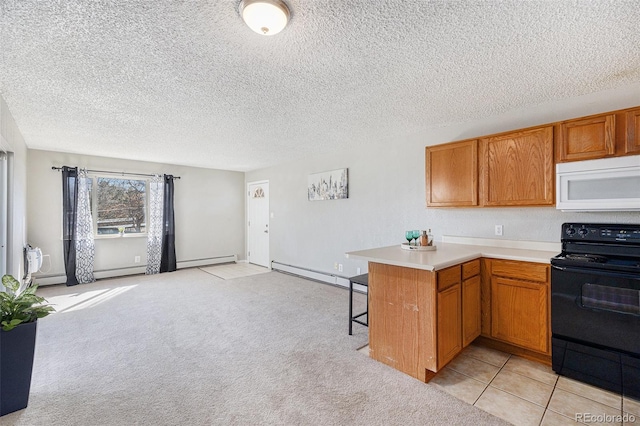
[[20, 308]]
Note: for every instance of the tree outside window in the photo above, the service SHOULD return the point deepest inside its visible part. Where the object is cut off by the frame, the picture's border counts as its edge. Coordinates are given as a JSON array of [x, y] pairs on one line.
[[121, 205]]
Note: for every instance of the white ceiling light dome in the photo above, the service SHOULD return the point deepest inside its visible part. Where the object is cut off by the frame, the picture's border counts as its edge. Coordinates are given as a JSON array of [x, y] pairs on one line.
[[266, 17]]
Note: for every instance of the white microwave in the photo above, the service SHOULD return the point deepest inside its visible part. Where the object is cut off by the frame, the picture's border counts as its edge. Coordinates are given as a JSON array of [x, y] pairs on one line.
[[611, 184]]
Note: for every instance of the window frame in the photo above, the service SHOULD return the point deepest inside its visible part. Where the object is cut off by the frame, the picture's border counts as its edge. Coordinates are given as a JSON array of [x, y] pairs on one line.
[[94, 203]]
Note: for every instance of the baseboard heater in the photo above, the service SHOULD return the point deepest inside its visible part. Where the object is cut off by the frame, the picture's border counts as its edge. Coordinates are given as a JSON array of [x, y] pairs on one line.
[[134, 270], [315, 275]]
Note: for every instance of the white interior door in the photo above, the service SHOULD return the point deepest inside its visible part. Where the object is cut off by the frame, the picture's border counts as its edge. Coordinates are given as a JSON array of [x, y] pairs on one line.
[[258, 223]]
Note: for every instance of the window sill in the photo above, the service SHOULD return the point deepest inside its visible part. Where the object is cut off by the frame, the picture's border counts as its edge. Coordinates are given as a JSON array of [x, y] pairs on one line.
[[118, 236]]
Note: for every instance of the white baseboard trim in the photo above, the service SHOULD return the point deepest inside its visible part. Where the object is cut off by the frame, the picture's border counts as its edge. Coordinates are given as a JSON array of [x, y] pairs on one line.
[[50, 280], [134, 270], [206, 262], [321, 276]]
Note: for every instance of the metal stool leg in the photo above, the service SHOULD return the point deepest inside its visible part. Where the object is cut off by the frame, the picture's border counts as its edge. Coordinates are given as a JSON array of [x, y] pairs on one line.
[[351, 307], [367, 306]]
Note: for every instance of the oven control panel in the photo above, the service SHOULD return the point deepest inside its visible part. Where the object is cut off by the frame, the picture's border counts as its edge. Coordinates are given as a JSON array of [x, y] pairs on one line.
[[601, 232]]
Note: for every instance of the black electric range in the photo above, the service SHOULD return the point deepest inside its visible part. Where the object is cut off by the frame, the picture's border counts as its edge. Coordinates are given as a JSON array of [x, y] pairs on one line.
[[595, 306]]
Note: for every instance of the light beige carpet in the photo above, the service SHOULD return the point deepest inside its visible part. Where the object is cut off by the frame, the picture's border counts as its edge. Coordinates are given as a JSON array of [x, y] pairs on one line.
[[228, 271], [187, 348]]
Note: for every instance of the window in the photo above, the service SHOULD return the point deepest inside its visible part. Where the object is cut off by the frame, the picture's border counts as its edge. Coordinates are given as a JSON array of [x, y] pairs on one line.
[[119, 206]]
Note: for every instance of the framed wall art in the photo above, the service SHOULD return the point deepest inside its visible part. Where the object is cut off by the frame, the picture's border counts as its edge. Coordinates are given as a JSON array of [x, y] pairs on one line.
[[332, 185]]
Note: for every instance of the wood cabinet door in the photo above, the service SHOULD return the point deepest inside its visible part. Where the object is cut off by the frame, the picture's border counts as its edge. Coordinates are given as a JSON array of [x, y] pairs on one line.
[[518, 168], [449, 324], [470, 310], [519, 313], [485, 296], [633, 132], [587, 138], [452, 174]]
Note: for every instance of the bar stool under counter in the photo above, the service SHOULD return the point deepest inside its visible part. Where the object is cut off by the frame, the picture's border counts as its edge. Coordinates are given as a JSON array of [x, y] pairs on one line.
[[362, 280]]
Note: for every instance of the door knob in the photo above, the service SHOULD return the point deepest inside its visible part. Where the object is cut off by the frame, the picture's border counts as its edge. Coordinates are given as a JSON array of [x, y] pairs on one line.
[[266, 231]]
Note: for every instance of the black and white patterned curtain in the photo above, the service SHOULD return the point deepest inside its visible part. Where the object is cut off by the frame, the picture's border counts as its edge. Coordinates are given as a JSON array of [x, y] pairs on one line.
[[85, 247], [168, 259], [156, 225], [69, 209]]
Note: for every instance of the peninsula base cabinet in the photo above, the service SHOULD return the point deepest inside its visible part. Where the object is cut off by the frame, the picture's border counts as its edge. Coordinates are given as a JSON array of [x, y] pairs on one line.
[[420, 320], [402, 313]]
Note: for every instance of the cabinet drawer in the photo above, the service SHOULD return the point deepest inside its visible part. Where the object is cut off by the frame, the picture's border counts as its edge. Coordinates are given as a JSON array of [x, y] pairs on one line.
[[521, 270], [470, 269], [448, 277]]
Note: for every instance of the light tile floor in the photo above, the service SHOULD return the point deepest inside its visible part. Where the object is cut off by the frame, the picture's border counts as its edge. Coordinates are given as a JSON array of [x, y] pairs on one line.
[[525, 392], [228, 271]]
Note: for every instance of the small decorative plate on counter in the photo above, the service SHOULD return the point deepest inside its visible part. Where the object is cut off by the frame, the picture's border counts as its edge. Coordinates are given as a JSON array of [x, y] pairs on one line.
[[406, 246]]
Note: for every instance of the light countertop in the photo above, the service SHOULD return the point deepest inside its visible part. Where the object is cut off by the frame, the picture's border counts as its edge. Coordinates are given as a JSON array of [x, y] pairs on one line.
[[448, 254]]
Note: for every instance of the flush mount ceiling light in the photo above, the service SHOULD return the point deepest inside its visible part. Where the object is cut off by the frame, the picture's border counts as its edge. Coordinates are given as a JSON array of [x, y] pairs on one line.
[[266, 17]]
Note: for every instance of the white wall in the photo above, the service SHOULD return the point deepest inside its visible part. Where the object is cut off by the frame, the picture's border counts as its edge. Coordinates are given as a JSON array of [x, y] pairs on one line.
[[387, 193], [209, 212], [11, 140]]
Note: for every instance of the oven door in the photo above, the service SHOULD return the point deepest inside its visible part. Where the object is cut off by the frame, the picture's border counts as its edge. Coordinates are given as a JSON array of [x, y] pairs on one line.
[[600, 308]]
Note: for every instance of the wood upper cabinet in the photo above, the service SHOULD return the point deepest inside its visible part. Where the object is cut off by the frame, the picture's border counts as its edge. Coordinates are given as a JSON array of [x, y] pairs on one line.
[[587, 138], [452, 174], [518, 168], [520, 304], [616, 133], [632, 145]]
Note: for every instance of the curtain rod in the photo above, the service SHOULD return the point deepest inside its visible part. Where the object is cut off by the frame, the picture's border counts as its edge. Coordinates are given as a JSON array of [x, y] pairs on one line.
[[115, 173]]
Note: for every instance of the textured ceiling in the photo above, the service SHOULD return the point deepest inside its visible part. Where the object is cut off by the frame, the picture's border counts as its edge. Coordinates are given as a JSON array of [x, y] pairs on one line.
[[186, 82]]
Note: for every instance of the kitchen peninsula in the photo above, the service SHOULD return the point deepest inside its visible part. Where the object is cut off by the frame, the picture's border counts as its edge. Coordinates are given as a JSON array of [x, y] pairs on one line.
[[426, 306]]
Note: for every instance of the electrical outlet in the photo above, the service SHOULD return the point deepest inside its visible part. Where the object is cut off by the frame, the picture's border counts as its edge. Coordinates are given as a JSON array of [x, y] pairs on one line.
[[499, 230], [335, 265], [340, 267], [357, 271], [136, 259]]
